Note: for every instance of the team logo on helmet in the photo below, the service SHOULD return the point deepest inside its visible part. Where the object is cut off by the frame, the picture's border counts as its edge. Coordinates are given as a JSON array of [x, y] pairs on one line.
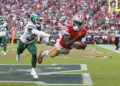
[[77, 21], [36, 18], [78, 18]]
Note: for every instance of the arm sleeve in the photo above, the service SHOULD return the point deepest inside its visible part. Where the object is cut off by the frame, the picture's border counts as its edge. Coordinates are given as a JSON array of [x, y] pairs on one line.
[[40, 33]]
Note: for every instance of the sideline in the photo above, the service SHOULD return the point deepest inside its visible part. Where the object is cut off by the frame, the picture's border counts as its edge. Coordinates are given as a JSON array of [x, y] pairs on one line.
[[109, 47]]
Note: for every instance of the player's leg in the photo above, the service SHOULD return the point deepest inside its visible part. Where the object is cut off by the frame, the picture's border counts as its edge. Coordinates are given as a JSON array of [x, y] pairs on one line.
[[51, 53], [33, 50], [20, 48], [117, 47], [4, 44]]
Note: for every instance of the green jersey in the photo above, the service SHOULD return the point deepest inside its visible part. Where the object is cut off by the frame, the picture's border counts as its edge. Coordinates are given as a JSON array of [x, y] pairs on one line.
[[3, 29]]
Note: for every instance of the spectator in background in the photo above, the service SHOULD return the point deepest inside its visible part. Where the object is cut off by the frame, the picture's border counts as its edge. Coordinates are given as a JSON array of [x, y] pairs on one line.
[[117, 40], [17, 11]]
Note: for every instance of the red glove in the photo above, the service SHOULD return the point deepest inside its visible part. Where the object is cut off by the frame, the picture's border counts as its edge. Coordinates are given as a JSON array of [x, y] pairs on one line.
[[81, 33]]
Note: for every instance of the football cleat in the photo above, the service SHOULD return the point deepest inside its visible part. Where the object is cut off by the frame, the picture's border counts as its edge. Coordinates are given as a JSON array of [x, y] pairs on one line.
[[4, 53], [17, 57], [40, 58], [34, 73]]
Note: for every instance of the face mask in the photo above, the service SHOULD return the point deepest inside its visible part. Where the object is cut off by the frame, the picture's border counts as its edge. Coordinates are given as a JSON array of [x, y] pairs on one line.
[[76, 28], [38, 22]]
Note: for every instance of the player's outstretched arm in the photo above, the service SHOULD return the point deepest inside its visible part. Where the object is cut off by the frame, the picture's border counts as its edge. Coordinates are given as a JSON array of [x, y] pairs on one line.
[[40, 33]]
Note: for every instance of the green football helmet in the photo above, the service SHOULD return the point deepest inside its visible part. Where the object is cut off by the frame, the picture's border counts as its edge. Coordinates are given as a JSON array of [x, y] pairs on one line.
[[36, 18], [1, 20]]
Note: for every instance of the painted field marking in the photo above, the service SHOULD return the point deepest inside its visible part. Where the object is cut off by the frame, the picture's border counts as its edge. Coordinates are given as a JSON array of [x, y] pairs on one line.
[[49, 74]]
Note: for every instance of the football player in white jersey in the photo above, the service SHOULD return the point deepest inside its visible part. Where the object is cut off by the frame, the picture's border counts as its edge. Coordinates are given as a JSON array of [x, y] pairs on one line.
[[28, 38], [3, 26]]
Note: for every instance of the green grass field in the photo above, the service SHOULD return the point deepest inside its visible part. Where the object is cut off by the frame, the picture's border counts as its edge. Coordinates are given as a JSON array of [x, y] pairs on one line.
[[103, 65]]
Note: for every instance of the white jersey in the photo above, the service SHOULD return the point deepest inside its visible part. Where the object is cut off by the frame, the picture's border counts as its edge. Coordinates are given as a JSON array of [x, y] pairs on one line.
[[3, 29], [29, 37]]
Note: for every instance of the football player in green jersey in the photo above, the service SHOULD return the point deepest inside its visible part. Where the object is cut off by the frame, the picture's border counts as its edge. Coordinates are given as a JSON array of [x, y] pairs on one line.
[[3, 26], [27, 40]]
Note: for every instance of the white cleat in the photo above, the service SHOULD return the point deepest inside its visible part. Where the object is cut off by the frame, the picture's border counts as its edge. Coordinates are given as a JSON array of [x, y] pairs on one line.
[[17, 57], [34, 73], [4, 53]]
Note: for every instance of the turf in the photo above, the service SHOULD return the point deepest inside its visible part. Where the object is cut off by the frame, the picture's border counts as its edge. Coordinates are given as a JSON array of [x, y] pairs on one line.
[[103, 71]]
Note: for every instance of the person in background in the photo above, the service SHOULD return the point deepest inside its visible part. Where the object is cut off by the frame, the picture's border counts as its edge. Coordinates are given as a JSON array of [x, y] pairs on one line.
[[117, 40]]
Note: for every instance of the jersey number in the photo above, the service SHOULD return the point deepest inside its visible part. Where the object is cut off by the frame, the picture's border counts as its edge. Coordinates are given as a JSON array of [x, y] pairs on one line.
[[32, 37]]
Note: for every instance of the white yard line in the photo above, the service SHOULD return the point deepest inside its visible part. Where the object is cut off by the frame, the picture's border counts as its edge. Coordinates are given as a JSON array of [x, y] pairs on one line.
[[87, 79]]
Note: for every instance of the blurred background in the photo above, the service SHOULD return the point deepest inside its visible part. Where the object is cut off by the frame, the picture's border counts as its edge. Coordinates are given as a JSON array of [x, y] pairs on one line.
[[102, 27]]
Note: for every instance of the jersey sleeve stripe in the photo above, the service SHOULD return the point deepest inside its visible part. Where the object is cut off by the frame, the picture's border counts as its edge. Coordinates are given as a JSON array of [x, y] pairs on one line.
[[31, 27]]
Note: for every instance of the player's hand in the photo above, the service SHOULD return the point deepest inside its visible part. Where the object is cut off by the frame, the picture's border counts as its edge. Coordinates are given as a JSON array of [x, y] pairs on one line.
[[81, 33]]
